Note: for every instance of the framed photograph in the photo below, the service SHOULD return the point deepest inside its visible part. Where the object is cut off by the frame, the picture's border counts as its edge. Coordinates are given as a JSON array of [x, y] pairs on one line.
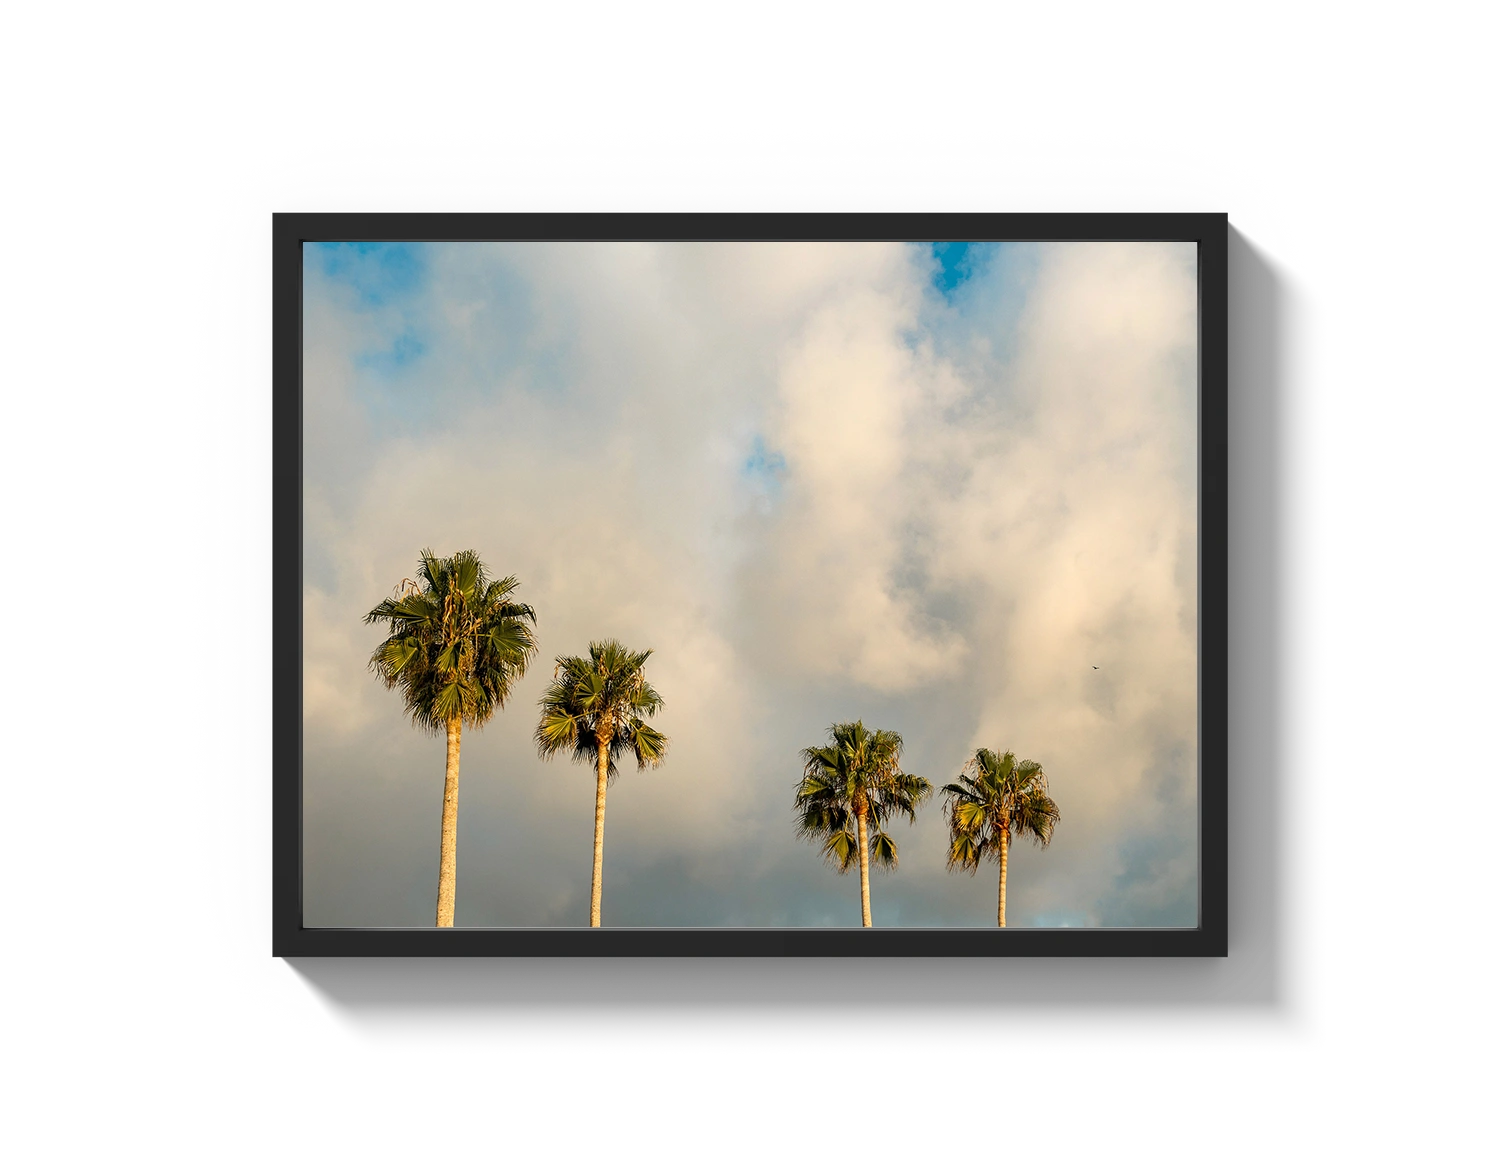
[[750, 584]]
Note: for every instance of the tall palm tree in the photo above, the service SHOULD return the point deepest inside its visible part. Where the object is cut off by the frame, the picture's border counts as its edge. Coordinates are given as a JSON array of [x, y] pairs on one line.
[[849, 789], [597, 706], [993, 798], [457, 642]]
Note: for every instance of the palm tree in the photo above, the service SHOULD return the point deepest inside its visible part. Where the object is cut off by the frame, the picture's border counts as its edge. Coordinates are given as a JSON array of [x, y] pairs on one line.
[[994, 797], [597, 706], [849, 789], [457, 642]]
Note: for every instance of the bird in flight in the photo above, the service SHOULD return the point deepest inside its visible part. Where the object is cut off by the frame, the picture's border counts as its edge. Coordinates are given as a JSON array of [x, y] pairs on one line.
[[1096, 668]]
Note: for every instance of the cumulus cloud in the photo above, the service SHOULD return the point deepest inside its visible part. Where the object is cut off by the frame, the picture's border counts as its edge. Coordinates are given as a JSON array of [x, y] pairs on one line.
[[820, 487]]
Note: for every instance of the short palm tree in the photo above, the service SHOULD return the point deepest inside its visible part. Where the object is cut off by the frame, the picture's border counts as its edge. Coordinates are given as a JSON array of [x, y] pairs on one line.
[[994, 797], [458, 641], [597, 707], [849, 789]]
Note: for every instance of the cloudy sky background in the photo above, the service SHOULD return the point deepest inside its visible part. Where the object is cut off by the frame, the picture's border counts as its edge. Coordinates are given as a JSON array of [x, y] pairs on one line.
[[929, 487]]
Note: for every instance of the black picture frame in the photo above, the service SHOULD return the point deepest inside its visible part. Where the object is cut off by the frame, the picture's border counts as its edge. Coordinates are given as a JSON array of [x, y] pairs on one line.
[[405, 185]]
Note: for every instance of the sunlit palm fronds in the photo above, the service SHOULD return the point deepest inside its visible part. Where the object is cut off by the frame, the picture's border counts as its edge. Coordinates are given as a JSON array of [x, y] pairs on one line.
[[602, 700], [996, 793], [457, 641]]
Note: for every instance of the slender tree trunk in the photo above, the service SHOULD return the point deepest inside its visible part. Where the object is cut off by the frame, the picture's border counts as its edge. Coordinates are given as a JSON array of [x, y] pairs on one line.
[[1004, 866], [448, 859], [596, 892], [864, 870]]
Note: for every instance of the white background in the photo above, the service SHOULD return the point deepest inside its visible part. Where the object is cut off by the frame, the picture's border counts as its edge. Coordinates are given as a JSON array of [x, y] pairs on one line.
[[145, 148]]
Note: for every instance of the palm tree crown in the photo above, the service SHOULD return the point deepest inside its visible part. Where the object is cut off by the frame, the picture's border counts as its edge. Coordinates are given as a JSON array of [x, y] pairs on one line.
[[603, 698], [457, 641], [995, 797], [849, 789]]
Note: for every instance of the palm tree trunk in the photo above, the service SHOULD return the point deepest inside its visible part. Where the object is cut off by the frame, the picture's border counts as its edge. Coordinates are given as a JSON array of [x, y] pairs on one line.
[[864, 871], [448, 858], [596, 892], [1004, 866]]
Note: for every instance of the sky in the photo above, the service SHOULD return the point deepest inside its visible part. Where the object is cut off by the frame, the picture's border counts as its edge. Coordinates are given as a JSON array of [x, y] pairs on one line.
[[946, 489]]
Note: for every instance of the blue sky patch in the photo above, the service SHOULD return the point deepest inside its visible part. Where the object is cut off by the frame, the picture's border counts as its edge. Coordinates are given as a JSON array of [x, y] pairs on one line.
[[953, 267], [958, 261], [377, 272], [405, 348], [763, 462], [764, 470]]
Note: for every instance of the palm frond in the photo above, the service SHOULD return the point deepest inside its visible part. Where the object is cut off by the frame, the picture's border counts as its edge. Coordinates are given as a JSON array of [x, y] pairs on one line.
[[841, 849], [883, 850], [1036, 815], [968, 816], [964, 851], [648, 745], [558, 729]]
